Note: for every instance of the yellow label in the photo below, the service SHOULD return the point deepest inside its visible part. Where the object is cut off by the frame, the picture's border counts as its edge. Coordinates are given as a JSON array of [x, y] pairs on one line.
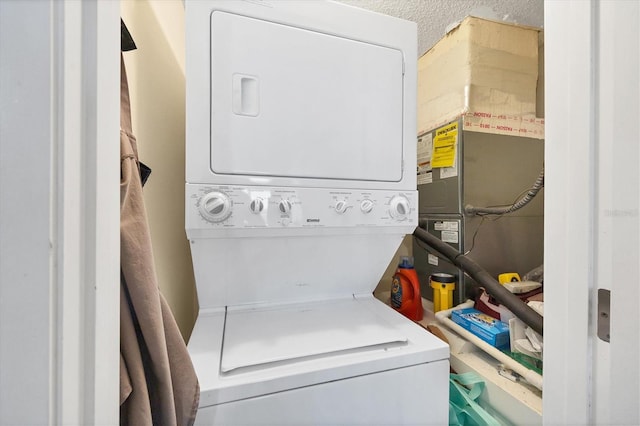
[[445, 142]]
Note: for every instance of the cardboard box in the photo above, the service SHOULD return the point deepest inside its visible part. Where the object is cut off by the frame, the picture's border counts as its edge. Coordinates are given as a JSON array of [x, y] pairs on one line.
[[483, 70], [489, 329]]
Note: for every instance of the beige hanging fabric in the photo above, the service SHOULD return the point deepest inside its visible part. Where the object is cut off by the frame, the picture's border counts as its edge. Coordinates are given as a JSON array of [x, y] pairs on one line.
[[158, 385]]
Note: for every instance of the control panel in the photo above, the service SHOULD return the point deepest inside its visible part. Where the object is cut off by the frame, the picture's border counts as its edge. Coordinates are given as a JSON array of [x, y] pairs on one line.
[[229, 206]]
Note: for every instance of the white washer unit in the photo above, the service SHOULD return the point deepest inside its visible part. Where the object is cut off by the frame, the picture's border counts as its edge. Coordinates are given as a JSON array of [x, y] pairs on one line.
[[301, 184]]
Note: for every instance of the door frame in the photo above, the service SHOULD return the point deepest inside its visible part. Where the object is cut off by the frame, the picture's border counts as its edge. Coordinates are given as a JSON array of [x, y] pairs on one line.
[[569, 189], [591, 211], [59, 254]]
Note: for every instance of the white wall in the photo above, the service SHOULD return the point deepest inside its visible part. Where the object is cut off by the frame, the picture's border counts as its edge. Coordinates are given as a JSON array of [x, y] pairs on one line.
[[25, 183]]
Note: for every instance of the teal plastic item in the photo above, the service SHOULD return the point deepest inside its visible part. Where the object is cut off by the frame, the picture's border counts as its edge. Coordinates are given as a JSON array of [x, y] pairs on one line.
[[530, 362], [464, 391]]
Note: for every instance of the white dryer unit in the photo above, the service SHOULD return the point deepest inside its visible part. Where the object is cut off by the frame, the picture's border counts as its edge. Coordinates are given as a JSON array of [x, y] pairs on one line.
[[301, 184]]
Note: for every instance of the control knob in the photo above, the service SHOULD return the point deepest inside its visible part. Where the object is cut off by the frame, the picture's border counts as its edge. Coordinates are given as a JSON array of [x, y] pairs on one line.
[[257, 205], [341, 206], [215, 206], [285, 206], [399, 207], [366, 206]]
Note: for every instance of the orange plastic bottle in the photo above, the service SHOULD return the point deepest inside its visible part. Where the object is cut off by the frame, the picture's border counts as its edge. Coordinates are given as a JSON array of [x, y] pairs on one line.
[[405, 290]]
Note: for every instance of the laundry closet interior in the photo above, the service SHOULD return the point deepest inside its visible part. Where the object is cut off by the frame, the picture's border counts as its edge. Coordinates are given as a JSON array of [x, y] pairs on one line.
[[157, 72], [446, 133], [506, 157]]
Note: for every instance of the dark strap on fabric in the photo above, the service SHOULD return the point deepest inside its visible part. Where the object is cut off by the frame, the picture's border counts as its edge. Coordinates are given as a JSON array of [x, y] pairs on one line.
[[126, 40], [125, 124], [125, 104]]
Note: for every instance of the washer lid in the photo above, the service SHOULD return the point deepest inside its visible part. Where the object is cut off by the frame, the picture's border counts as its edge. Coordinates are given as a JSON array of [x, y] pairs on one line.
[[276, 334]]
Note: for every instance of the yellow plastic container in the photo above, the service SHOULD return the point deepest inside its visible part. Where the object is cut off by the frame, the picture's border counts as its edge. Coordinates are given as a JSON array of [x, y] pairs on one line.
[[443, 286], [508, 277]]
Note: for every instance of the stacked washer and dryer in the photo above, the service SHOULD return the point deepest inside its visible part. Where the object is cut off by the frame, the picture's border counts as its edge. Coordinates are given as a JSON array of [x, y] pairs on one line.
[[301, 184]]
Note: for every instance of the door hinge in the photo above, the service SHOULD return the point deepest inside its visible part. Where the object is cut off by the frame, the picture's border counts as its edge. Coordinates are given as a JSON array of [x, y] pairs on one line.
[[604, 313]]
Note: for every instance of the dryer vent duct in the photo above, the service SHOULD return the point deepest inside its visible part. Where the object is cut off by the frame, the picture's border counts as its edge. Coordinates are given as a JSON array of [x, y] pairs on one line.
[[484, 279]]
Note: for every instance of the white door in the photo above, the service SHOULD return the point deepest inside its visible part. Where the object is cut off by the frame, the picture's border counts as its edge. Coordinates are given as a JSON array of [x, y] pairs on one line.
[[592, 205]]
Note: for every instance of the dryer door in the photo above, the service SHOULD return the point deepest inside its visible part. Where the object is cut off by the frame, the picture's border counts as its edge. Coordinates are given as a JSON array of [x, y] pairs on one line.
[[291, 102]]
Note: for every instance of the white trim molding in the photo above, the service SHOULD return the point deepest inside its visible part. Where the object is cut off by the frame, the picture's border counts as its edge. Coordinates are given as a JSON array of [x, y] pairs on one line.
[[592, 204], [59, 217], [569, 200]]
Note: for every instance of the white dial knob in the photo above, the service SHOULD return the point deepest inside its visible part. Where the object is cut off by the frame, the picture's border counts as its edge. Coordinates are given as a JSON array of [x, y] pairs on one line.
[[215, 206], [399, 207], [285, 206], [256, 206], [366, 206], [341, 206]]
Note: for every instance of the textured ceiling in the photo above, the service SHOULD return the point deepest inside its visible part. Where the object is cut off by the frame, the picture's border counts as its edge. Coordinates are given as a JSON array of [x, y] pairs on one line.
[[434, 16]]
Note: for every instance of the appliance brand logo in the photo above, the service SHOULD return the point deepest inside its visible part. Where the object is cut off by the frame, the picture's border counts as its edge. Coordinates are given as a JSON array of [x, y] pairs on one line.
[[313, 220]]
